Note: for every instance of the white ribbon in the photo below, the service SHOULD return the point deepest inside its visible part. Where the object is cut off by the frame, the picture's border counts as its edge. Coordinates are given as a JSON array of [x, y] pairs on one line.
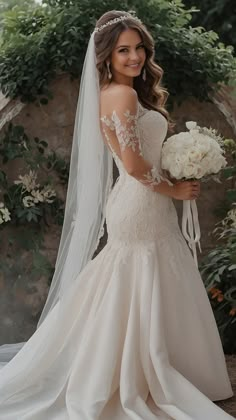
[[190, 226]]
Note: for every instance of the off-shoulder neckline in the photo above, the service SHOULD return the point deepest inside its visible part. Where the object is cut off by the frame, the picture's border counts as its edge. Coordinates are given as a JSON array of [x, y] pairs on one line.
[[140, 107]]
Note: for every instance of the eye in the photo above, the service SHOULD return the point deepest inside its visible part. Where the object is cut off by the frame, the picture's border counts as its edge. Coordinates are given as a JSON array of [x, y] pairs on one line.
[[126, 49], [123, 50]]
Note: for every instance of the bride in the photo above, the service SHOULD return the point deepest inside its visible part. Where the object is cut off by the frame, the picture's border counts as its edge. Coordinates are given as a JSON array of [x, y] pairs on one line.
[[129, 334]]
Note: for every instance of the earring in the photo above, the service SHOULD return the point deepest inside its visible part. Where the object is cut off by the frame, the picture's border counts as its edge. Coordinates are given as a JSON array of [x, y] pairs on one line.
[[109, 71], [144, 74]]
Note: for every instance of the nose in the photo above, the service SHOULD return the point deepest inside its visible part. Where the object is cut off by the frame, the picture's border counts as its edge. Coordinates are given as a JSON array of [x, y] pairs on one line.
[[133, 55]]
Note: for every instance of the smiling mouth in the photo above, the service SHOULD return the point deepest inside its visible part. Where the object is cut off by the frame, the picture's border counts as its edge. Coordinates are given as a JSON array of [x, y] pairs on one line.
[[133, 65]]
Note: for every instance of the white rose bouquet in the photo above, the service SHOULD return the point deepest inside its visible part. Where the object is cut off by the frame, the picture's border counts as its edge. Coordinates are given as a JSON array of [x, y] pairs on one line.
[[194, 155]]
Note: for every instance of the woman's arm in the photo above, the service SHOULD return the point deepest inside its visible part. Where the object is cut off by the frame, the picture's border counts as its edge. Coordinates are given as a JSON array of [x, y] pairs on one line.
[[124, 118]]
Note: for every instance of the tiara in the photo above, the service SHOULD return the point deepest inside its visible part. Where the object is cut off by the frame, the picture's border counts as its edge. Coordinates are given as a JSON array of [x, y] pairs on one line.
[[115, 20]]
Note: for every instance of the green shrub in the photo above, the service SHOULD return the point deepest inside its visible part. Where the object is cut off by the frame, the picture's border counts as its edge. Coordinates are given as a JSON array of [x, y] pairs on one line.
[[28, 206], [52, 38], [219, 15], [26, 198], [218, 270]]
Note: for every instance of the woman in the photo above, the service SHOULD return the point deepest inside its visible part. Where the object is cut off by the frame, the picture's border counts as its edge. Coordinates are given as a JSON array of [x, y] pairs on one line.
[[134, 336]]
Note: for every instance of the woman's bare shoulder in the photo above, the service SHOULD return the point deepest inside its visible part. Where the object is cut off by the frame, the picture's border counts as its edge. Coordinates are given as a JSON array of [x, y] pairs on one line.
[[117, 95]]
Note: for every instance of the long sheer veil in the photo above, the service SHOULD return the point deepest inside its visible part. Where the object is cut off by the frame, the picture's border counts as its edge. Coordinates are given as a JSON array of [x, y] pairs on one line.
[[90, 182]]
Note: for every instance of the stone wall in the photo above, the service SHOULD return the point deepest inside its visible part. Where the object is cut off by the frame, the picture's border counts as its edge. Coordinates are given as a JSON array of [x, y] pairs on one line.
[[21, 301]]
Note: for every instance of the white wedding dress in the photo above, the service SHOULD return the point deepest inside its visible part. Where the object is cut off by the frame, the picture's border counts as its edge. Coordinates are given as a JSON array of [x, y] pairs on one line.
[[135, 337]]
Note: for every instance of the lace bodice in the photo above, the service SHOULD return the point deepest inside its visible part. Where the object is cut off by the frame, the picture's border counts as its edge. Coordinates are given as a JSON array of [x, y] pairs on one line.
[[134, 212], [138, 135]]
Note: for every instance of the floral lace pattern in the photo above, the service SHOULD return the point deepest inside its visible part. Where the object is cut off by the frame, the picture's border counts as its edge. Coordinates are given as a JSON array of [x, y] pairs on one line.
[[127, 132]]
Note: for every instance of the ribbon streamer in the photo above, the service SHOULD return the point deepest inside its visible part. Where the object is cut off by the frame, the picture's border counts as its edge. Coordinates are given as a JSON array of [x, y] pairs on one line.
[[191, 227]]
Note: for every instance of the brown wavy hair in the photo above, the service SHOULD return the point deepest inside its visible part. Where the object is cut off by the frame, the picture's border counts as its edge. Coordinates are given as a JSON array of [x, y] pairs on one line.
[[151, 93]]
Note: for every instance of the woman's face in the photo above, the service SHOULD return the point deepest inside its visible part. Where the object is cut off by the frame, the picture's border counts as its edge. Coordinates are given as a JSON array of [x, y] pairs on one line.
[[128, 57]]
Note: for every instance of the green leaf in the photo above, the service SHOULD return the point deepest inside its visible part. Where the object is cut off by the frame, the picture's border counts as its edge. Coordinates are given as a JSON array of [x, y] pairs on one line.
[[222, 269], [231, 195], [228, 172]]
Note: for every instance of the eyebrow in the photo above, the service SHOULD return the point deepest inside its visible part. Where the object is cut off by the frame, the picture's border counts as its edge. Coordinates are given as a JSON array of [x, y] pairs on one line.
[[128, 45]]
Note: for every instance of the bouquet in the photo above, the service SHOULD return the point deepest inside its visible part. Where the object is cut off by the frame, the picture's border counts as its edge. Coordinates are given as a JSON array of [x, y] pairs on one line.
[[197, 154]]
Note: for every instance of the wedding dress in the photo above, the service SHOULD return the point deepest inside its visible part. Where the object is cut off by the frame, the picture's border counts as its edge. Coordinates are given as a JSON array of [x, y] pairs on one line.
[[136, 337]]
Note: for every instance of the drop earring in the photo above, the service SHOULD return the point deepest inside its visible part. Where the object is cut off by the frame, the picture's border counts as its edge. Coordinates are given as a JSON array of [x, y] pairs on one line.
[[109, 71], [144, 74]]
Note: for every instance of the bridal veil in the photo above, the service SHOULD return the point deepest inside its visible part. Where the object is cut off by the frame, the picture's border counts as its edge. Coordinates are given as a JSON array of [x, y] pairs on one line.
[[90, 181]]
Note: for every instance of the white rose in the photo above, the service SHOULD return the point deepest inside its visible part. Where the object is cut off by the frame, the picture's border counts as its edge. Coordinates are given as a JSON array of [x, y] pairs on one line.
[[176, 171], [191, 125], [189, 170]]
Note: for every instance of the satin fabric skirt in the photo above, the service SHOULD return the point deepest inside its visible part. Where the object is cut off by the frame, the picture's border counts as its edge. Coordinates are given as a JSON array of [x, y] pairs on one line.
[[134, 338]]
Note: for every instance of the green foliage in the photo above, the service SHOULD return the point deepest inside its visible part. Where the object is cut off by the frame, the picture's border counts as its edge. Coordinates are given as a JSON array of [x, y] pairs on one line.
[[218, 15], [218, 270], [27, 205], [17, 5], [27, 200], [52, 38], [15, 143], [6, 5], [20, 21], [219, 267], [229, 173]]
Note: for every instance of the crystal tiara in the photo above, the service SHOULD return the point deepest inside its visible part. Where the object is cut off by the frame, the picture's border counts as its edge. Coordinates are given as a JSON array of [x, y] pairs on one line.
[[115, 20]]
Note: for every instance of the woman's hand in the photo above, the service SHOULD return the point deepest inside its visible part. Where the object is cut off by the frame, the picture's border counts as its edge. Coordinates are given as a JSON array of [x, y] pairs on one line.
[[168, 176], [186, 190]]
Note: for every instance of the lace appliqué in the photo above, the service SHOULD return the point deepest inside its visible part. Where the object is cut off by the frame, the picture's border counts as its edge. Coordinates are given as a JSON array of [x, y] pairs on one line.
[[109, 123], [153, 177], [128, 136], [127, 133]]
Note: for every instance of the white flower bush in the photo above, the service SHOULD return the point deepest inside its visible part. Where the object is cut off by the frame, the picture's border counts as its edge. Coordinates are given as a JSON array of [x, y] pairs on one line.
[[38, 194], [4, 214], [194, 154], [28, 181]]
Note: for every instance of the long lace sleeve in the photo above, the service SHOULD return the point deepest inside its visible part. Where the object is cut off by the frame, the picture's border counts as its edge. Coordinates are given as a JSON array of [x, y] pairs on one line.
[[125, 126]]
